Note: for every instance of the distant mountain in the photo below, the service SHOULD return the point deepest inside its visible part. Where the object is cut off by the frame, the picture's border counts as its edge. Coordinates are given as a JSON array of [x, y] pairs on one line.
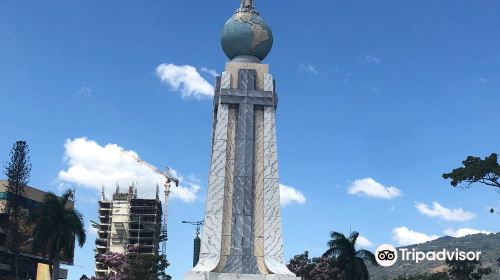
[[488, 244]]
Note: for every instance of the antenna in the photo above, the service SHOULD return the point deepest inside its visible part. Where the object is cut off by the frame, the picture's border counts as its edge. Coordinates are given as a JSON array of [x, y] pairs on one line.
[[73, 194], [102, 193]]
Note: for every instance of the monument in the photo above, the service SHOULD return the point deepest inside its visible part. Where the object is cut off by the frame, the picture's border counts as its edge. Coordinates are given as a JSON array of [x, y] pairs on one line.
[[242, 236]]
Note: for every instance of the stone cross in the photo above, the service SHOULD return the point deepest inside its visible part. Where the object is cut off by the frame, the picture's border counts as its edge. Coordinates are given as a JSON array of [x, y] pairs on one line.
[[242, 236], [246, 98]]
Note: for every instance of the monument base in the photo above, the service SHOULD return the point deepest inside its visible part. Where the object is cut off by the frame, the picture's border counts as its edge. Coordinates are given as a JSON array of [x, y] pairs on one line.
[[195, 275]]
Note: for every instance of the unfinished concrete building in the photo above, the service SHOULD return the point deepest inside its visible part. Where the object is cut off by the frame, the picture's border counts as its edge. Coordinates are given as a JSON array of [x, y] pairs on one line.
[[128, 224]]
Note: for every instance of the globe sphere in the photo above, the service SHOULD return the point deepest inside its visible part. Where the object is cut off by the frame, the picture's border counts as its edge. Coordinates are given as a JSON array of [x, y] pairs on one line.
[[246, 34]]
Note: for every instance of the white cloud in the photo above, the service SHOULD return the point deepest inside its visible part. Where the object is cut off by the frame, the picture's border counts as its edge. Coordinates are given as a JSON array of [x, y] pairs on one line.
[[373, 59], [209, 71], [404, 236], [92, 165], [371, 188], [444, 213], [85, 92], [309, 68], [363, 242], [289, 195], [186, 79], [463, 232]]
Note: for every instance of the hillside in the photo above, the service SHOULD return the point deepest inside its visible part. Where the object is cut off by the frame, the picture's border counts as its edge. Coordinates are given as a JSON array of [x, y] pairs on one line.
[[488, 244]]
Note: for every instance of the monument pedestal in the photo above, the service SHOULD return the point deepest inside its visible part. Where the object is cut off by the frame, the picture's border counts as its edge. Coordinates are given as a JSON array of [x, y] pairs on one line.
[[195, 275]]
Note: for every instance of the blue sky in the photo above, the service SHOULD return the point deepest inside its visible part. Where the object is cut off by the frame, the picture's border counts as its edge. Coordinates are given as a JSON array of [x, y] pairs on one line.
[[373, 95]]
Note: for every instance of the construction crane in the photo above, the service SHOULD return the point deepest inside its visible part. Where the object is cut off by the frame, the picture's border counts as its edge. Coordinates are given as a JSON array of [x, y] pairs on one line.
[[169, 179], [197, 240]]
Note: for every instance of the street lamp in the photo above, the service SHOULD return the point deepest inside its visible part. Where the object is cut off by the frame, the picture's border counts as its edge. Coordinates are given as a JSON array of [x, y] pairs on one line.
[[197, 240]]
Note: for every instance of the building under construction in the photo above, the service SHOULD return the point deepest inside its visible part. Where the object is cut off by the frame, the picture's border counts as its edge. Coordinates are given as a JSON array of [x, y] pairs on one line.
[[128, 224]]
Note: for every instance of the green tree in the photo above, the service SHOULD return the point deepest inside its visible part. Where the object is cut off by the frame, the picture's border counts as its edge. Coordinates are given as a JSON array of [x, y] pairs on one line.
[[55, 227], [134, 267], [466, 270], [148, 267], [476, 170], [322, 268], [18, 171], [349, 260], [302, 266]]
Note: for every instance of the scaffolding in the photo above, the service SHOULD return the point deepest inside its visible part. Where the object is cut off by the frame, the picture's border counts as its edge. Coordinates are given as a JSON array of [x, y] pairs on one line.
[[129, 225]]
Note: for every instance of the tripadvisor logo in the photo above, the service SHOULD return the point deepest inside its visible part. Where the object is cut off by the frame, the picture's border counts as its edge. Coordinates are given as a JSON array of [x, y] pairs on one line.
[[387, 255]]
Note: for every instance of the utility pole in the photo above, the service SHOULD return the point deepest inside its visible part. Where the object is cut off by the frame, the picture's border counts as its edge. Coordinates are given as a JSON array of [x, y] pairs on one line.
[[197, 240]]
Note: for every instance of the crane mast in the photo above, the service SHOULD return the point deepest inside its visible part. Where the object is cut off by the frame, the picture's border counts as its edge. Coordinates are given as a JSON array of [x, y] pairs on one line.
[[167, 190]]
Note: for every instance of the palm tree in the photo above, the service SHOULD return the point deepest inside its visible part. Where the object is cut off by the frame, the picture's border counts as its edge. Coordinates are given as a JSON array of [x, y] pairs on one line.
[[350, 261], [55, 226]]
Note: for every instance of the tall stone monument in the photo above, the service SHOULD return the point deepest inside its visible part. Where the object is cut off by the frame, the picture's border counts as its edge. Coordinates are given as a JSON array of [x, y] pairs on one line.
[[242, 236]]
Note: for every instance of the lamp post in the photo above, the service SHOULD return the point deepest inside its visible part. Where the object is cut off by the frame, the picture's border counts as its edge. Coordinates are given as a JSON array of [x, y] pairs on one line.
[[197, 240]]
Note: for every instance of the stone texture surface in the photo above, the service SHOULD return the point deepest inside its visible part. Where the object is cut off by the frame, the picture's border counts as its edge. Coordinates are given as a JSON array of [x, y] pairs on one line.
[[225, 82], [234, 67], [242, 236], [273, 238], [268, 82], [270, 151], [212, 230], [258, 222]]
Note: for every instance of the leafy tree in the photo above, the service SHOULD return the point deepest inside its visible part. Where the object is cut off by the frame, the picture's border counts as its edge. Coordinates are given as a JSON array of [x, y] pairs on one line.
[[148, 267], [327, 269], [55, 226], [302, 265], [133, 267], [18, 173], [349, 260], [476, 170], [322, 268], [117, 263], [466, 270]]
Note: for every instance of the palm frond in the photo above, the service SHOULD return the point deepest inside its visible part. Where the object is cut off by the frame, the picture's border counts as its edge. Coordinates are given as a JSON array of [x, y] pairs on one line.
[[353, 237], [338, 246], [56, 227]]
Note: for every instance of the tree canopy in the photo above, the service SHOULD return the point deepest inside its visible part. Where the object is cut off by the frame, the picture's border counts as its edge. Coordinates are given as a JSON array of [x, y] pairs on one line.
[[18, 171], [476, 170], [340, 261], [134, 267], [55, 226]]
